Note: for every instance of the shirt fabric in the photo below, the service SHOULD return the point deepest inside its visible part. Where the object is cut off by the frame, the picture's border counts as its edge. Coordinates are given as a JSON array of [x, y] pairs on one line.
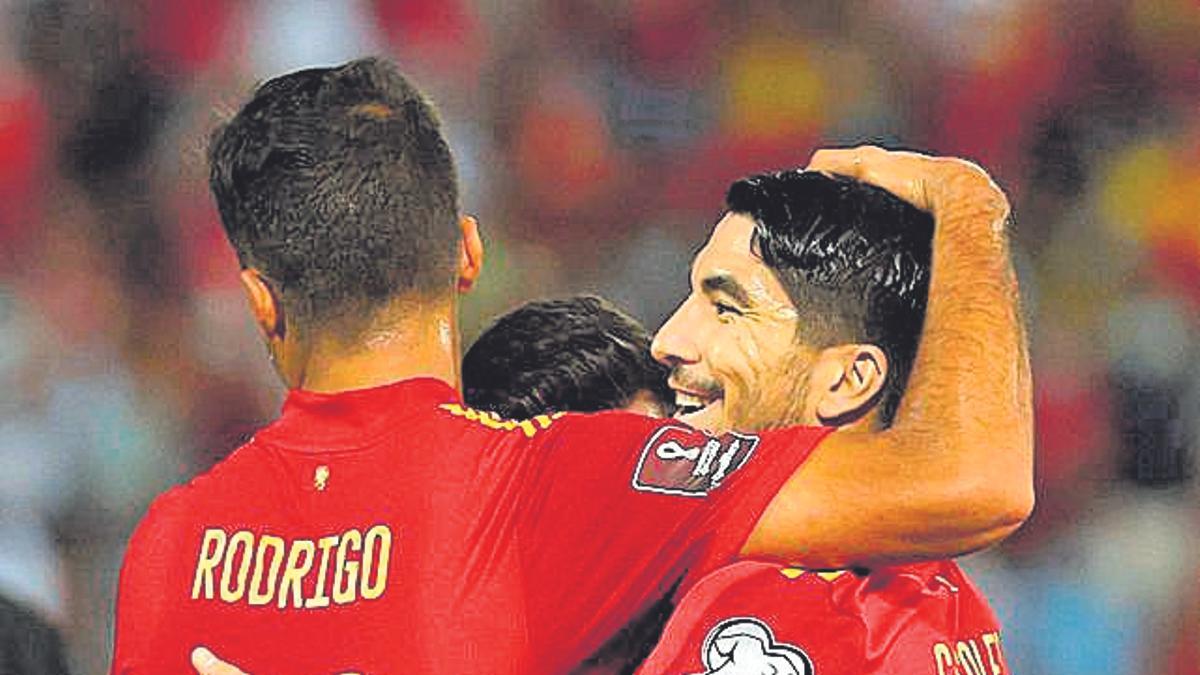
[[394, 530], [754, 617]]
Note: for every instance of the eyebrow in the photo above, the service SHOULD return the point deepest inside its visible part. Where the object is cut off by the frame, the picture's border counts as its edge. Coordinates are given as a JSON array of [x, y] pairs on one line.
[[724, 283]]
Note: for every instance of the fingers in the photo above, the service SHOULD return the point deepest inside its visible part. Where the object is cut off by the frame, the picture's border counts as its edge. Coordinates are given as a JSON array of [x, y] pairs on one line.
[[905, 174], [919, 179], [207, 663], [845, 161]]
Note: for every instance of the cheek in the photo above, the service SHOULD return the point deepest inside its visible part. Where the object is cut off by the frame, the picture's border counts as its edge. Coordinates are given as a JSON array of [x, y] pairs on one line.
[[767, 388], [745, 359]]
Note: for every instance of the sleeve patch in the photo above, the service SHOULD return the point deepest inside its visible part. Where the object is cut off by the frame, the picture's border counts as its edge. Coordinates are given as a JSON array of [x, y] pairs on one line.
[[747, 645], [683, 461]]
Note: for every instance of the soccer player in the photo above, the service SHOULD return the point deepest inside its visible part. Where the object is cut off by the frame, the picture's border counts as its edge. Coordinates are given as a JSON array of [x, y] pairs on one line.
[[575, 354], [753, 616], [379, 525], [853, 264]]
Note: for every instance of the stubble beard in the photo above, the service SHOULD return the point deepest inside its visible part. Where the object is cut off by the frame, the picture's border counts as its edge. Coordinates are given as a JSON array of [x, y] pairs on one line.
[[772, 405]]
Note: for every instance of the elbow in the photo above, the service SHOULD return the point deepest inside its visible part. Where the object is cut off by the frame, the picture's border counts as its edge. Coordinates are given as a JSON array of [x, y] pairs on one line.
[[1005, 508], [1016, 506], [995, 476]]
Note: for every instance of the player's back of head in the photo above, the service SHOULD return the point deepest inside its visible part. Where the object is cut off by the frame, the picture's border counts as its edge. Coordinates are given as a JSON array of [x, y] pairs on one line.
[[576, 354], [853, 258], [337, 185]]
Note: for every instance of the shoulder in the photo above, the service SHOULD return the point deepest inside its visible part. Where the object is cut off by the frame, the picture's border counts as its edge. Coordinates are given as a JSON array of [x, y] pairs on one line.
[[764, 617], [465, 416], [767, 584], [180, 505], [935, 578]]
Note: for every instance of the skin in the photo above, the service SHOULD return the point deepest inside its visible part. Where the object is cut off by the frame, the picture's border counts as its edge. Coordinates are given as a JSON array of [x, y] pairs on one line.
[[645, 402], [952, 474], [959, 454], [732, 344], [410, 337]]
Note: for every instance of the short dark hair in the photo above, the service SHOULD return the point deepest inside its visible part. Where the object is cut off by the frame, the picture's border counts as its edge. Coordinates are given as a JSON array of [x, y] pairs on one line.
[[853, 258], [337, 185], [576, 354]]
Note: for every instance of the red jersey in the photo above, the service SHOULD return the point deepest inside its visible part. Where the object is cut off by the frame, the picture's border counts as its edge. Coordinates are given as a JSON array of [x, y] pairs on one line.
[[754, 617], [394, 530]]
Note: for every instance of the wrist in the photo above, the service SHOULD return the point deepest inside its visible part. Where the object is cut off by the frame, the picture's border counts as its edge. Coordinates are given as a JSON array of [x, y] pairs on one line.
[[963, 197]]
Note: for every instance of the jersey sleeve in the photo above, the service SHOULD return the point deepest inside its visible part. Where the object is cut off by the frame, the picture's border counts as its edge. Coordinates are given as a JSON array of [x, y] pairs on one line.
[[619, 509], [757, 617], [150, 575]]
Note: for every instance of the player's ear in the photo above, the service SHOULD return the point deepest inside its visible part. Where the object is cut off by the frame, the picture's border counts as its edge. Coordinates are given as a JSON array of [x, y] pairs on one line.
[[267, 310], [848, 381], [470, 254]]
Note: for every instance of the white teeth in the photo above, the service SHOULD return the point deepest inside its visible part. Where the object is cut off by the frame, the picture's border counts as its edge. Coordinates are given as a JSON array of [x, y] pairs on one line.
[[688, 400]]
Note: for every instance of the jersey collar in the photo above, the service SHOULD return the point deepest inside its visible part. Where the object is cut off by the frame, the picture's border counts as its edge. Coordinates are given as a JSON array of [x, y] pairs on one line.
[[317, 422]]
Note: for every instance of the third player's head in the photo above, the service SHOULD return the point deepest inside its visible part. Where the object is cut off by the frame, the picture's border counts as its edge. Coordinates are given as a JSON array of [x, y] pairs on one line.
[[338, 191], [576, 354], [806, 306]]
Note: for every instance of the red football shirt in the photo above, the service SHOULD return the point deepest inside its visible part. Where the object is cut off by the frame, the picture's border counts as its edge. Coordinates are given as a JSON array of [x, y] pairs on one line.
[[757, 617], [394, 530]]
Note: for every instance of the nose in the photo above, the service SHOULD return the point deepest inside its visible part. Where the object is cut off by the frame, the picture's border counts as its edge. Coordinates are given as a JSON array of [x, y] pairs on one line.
[[673, 344]]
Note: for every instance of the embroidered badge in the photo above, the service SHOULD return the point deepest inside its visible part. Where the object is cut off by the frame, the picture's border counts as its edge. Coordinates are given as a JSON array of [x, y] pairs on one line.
[[683, 461], [747, 645]]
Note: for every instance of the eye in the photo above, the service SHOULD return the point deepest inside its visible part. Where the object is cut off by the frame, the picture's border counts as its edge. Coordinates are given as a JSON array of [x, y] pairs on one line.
[[724, 309]]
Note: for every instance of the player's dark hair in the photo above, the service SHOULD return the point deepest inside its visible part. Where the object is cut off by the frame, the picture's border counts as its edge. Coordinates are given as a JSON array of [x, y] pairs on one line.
[[338, 186], [577, 354], [853, 258]]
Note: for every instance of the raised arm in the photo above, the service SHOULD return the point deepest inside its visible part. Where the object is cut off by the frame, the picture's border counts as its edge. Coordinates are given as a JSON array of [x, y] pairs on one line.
[[954, 472]]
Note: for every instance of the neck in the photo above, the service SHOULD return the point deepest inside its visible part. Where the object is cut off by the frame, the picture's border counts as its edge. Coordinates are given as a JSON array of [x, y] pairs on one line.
[[403, 342]]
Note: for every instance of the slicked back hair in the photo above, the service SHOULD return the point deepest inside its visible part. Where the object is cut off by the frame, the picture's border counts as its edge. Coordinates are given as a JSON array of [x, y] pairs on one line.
[[575, 354], [853, 258], [337, 185]]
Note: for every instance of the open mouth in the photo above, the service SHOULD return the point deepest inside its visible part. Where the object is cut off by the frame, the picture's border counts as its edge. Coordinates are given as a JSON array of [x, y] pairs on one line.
[[688, 403], [700, 410]]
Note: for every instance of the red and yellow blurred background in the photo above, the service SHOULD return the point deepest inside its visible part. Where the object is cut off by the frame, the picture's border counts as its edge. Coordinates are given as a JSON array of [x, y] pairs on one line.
[[595, 139]]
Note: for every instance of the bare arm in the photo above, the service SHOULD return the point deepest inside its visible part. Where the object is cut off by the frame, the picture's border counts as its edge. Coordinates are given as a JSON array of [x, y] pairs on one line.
[[954, 472]]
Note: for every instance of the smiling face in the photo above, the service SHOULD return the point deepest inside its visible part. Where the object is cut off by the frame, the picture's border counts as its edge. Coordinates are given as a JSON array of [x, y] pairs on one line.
[[732, 345]]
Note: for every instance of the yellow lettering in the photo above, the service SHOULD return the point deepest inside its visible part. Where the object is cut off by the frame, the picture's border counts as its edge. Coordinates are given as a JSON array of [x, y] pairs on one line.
[[968, 658], [543, 421], [265, 543], [207, 561], [347, 592], [944, 657], [991, 645], [377, 537], [241, 567], [293, 575], [243, 539], [320, 599]]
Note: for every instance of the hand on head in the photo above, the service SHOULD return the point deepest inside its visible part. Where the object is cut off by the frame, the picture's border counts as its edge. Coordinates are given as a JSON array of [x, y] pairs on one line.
[[921, 180]]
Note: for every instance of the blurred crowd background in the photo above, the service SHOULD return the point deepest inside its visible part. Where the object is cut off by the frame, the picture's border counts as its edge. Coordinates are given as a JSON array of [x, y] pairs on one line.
[[595, 139]]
